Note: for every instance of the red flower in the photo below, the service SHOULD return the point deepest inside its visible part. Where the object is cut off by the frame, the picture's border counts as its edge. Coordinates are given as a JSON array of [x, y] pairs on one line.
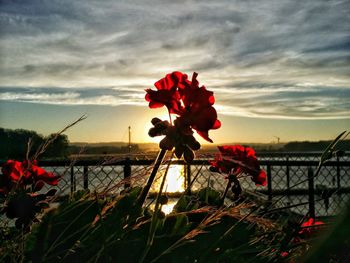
[[198, 111], [308, 228], [284, 254], [192, 104], [15, 171], [40, 174], [238, 159], [167, 93], [24, 173]]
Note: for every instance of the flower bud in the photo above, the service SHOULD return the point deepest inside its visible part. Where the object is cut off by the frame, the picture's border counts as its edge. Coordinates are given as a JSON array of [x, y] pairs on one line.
[[236, 189], [179, 150], [214, 169], [162, 125], [188, 155], [163, 199], [39, 185], [195, 145], [166, 144], [192, 142], [51, 192], [154, 121], [153, 132]]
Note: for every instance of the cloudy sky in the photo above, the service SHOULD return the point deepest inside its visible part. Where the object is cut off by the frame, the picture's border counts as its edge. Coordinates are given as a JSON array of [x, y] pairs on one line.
[[277, 67]]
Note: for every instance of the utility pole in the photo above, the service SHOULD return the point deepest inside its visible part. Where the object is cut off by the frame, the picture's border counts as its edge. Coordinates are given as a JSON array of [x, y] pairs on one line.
[[278, 139]]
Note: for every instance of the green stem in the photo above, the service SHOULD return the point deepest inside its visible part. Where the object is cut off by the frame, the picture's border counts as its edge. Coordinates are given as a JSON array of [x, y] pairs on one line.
[[222, 201], [156, 166], [155, 221]]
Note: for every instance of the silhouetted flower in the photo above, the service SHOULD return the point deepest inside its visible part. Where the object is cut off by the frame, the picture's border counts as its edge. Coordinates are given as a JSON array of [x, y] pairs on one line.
[[167, 93], [237, 159], [24, 206], [197, 111], [193, 108]]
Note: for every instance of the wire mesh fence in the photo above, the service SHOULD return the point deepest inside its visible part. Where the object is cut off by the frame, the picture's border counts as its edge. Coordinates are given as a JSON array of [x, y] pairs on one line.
[[289, 179]]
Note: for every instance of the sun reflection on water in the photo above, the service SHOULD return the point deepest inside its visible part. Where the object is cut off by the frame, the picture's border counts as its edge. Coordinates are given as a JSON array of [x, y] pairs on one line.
[[175, 180], [168, 208], [174, 183]]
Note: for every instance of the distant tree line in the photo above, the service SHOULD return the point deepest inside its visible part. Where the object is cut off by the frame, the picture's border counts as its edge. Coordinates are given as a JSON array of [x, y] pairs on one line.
[[101, 150], [14, 144], [314, 146]]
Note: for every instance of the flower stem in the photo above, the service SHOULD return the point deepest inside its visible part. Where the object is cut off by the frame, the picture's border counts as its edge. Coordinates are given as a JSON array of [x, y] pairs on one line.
[[155, 221], [225, 193], [156, 166], [171, 122]]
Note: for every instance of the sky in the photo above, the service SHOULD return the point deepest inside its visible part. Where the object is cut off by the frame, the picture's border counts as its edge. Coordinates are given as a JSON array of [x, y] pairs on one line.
[[278, 68]]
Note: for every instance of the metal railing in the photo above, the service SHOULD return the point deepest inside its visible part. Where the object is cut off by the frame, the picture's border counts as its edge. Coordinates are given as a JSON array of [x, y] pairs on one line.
[[321, 195]]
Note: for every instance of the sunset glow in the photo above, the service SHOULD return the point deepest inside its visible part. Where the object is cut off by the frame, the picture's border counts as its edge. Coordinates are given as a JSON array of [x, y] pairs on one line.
[[274, 66]]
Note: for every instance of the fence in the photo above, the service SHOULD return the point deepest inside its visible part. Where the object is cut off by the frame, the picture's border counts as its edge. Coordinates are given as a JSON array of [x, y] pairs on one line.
[[291, 180]]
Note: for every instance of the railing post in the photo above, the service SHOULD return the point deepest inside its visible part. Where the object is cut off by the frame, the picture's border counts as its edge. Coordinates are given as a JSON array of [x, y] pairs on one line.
[[72, 180], [287, 175], [188, 178], [86, 178], [269, 182], [127, 173], [310, 175], [288, 179], [338, 174]]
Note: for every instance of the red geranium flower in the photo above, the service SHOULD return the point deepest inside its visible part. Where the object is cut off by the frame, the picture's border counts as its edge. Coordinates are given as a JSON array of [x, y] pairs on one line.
[[198, 111], [308, 228], [192, 104], [237, 159], [15, 171], [167, 93], [25, 173], [40, 174]]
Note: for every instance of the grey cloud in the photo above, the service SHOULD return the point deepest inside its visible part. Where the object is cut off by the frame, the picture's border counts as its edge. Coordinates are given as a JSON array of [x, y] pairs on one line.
[[236, 46], [266, 101]]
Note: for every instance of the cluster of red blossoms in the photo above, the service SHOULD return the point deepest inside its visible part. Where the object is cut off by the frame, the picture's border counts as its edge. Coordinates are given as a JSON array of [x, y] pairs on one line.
[[237, 160], [193, 107], [21, 174], [19, 183]]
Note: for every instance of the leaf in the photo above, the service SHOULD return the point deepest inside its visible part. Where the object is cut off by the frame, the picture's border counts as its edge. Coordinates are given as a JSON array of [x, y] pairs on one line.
[[182, 204], [116, 220], [176, 224], [209, 196], [60, 230], [51, 192], [333, 245], [327, 154], [191, 250]]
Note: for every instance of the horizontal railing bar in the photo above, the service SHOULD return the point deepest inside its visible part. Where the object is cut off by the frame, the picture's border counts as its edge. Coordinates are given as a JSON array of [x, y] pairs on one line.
[[343, 190], [180, 162]]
